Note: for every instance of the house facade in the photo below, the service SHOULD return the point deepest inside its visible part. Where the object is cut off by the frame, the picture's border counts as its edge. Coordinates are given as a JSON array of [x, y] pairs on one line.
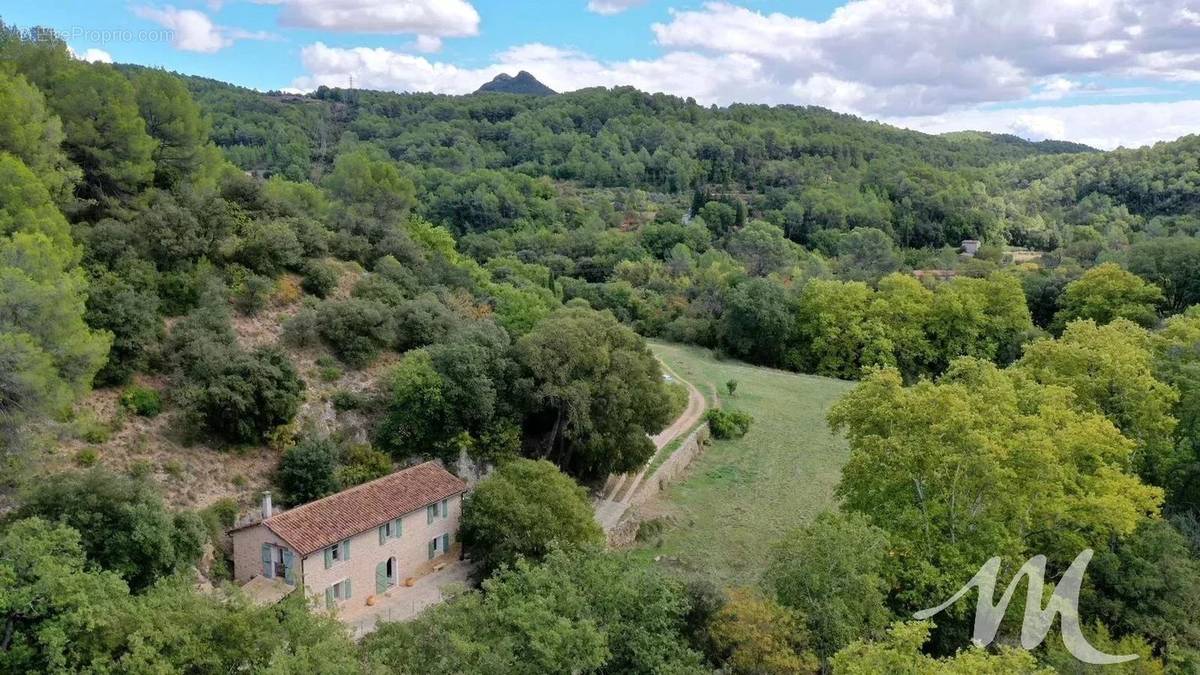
[[351, 548]]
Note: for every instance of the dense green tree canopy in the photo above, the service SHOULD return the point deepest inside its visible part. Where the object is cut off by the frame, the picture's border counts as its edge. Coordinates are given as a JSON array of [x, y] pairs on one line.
[[122, 522], [526, 509], [598, 391]]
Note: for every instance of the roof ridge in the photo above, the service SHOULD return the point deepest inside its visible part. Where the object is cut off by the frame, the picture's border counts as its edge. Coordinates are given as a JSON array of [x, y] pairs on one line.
[[349, 490]]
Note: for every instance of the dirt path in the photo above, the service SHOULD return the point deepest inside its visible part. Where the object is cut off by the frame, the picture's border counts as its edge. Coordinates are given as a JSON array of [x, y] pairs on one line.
[[618, 490]]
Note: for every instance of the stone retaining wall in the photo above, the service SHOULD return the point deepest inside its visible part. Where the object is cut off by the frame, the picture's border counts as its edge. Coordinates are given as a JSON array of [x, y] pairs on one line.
[[626, 530]]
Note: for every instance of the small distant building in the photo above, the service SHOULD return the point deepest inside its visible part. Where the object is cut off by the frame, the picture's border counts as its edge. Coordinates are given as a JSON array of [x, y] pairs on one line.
[[360, 543], [970, 247]]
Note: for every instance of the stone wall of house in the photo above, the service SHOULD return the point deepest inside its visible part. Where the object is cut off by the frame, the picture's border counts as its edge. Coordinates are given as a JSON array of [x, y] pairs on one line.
[[411, 550]]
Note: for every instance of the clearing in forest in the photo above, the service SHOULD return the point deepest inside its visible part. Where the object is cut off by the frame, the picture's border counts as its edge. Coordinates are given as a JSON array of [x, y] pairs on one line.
[[740, 496]]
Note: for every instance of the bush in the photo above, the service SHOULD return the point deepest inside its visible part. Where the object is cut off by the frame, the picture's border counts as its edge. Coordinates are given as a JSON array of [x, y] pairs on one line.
[[306, 471], [731, 387], [320, 278], [122, 522], [524, 510], [251, 292], [141, 401], [87, 457], [347, 400], [356, 330], [246, 398], [362, 463], [726, 424]]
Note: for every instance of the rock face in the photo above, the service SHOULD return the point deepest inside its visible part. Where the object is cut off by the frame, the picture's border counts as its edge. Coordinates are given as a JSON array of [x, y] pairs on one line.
[[523, 83]]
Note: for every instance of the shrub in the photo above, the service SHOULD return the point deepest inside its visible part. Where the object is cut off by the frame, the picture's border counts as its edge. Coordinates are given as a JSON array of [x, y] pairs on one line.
[[301, 330], [320, 278], [251, 292], [356, 330], [246, 398], [525, 509], [87, 457], [306, 471], [131, 315], [141, 468], [327, 369], [287, 291], [123, 524], [362, 463], [347, 400], [731, 387], [141, 401], [726, 424]]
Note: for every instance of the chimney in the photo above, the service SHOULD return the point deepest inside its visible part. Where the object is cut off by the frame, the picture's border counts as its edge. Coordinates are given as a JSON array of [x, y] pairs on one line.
[[266, 505]]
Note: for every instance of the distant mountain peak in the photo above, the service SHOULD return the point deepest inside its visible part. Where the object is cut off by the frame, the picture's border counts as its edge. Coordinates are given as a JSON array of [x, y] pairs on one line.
[[523, 83]]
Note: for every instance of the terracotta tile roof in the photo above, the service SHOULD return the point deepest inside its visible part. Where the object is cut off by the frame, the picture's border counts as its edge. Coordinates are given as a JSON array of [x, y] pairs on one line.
[[318, 524]]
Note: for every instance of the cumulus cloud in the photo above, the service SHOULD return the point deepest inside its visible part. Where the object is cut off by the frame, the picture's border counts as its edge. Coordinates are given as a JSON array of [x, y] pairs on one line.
[[431, 18], [611, 6], [935, 65], [193, 31], [1105, 126], [92, 55], [680, 73], [928, 56]]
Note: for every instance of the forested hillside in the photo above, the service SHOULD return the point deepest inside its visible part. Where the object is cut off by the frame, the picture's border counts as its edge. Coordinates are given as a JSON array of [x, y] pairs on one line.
[[320, 288]]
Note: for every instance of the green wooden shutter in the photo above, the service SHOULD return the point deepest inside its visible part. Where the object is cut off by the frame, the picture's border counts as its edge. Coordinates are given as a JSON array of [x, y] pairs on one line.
[[432, 548], [328, 557], [398, 527], [329, 598], [445, 508], [268, 568], [382, 535], [445, 543], [289, 568], [346, 550], [429, 511], [381, 579], [346, 595]]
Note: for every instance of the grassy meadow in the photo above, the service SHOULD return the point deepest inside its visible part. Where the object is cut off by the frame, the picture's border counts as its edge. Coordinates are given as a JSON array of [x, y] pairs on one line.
[[739, 496]]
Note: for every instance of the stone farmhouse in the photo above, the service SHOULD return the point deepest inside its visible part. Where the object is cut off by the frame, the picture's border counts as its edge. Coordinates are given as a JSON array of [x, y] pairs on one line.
[[356, 548]]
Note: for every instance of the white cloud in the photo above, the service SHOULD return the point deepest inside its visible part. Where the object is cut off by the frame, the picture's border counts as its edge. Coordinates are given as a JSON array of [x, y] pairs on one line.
[[934, 65], [193, 31], [434, 18], [427, 44], [1104, 126], [681, 73], [608, 7], [92, 55], [929, 56]]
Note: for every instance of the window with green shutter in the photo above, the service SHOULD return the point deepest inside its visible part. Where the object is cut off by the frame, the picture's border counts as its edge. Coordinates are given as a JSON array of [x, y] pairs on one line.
[[268, 568], [289, 567]]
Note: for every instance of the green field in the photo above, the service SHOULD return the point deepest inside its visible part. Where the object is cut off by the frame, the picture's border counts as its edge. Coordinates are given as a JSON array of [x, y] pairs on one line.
[[740, 496]]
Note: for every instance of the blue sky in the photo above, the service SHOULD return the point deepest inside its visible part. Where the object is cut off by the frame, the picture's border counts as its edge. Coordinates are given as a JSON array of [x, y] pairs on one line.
[[1104, 72]]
